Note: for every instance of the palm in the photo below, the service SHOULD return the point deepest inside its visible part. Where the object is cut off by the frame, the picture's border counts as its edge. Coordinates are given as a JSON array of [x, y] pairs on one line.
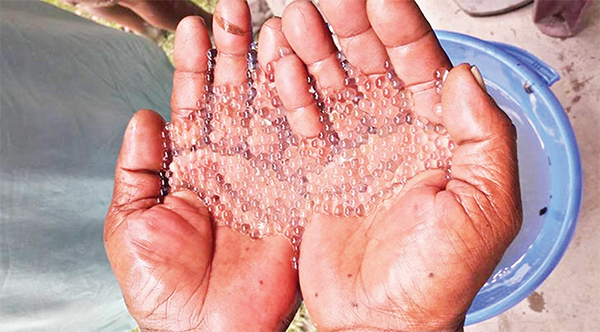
[[398, 264], [176, 278], [165, 264], [425, 252]]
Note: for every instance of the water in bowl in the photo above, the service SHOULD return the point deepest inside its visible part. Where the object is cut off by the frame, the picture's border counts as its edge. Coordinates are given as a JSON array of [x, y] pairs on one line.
[[535, 193]]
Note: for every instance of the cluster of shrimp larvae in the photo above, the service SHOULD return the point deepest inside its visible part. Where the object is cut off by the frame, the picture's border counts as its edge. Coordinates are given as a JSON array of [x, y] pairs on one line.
[[255, 175]]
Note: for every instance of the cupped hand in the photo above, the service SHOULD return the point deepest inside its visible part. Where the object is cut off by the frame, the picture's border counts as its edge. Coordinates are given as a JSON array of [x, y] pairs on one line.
[[414, 264], [419, 260], [177, 271]]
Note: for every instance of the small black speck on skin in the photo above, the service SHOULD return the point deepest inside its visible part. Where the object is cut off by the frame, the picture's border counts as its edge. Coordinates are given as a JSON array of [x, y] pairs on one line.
[[543, 211], [354, 304], [431, 275]]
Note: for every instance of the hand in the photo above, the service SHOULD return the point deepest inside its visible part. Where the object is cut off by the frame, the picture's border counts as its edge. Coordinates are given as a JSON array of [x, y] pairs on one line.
[[418, 262], [176, 270]]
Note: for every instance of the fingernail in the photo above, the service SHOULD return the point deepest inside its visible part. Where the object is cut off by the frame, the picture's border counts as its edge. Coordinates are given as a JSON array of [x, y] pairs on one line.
[[283, 51], [477, 74]]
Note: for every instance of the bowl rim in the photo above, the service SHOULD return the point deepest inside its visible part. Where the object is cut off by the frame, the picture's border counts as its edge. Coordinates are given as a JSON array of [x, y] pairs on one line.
[[574, 176]]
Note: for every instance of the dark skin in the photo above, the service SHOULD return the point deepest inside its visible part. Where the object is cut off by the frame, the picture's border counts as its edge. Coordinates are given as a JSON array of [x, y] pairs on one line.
[[177, 271], [418, 262], [414, 265]]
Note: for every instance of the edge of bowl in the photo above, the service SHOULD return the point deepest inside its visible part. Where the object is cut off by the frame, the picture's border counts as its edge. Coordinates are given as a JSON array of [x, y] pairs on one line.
[[573, 206]]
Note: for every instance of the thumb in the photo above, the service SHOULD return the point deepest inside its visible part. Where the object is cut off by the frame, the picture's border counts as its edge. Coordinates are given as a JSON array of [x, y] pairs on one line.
[[137, 183], [484, 164]]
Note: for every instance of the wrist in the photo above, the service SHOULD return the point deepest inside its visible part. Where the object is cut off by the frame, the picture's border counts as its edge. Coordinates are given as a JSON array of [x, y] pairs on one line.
[[453, 329], [412, 328], [165, 328], [145, 329]]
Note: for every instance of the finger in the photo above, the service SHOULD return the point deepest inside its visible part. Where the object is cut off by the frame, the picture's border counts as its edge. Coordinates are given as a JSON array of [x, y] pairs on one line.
[[412, 47], [290, 79], [485, 157], [191, 44], [272, 44], [357, 38], [233, 34], [292, 87], [137, 183], [311, 40]]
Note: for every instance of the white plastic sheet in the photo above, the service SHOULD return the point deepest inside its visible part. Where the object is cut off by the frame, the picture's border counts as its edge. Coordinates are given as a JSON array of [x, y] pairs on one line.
[[67, 89]]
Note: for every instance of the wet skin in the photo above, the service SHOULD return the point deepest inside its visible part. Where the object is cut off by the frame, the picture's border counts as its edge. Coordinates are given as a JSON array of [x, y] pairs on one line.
[[415, 264]]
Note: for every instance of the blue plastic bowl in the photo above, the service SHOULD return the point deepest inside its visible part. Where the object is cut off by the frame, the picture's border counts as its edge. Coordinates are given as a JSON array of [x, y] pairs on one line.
[[549, 163]]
